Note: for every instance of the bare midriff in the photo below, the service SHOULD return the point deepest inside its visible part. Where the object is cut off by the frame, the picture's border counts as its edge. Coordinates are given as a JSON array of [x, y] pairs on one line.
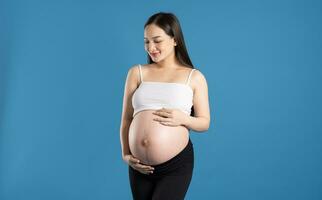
[[154, 143]]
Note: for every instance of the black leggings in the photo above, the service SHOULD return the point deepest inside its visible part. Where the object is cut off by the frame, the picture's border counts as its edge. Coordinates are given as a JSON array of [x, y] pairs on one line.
[[170, 180]]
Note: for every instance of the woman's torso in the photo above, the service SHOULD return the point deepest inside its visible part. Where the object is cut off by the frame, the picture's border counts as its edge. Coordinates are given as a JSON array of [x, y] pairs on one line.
[[149, 141]]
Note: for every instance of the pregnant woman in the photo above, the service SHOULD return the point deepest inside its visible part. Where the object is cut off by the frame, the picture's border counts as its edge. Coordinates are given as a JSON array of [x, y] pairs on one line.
[[162, 101]]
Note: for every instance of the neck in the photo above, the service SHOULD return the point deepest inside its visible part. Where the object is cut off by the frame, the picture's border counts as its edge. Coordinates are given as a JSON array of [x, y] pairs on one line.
[[170, 62]]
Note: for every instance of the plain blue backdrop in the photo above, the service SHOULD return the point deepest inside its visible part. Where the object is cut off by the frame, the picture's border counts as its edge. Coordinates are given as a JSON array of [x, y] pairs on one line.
[[63, 68]]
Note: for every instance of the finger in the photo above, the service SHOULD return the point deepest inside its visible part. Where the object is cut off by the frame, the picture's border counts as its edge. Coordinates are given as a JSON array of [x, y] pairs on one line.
[[162, 113], [163, 109], [143, 172], [159, 119], [146, 172], [167, 110], [149, 171], [164, 123], [146, 167], [134, 160], [165, 114], [167, 123]]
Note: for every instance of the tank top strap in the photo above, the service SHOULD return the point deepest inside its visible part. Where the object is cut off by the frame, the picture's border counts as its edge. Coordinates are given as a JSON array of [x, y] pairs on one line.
[[188, 80], [141, 76]]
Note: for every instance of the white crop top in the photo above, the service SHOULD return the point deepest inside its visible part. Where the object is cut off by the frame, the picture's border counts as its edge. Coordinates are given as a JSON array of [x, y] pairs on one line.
[[156, 95]]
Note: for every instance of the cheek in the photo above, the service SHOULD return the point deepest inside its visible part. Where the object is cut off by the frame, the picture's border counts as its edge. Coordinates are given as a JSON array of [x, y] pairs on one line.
[[167, 49], [163, 47]]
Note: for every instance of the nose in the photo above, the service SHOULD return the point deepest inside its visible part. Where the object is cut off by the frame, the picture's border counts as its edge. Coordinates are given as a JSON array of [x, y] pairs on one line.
[[150, 47]]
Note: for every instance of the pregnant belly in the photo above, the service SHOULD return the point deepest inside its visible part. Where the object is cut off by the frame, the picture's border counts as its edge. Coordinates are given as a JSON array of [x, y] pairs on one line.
[[153, 143]]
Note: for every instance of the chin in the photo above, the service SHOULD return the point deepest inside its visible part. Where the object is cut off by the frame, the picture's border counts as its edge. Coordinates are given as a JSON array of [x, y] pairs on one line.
[[157, 59]]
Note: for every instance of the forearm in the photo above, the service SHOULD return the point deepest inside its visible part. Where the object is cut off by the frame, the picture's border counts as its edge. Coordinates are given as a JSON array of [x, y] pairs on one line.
[[198, 124], [124, 138]]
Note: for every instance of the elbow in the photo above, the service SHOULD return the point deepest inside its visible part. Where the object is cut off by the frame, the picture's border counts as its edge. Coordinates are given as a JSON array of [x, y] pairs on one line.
[[203, 129], [205, 126], [202, 125]]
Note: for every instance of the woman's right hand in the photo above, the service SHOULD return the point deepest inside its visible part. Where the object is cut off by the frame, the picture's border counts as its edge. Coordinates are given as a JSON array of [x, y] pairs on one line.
[[135, 164]]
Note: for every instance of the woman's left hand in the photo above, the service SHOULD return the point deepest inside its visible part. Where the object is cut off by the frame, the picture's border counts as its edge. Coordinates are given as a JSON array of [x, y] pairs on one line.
[[170, 117]]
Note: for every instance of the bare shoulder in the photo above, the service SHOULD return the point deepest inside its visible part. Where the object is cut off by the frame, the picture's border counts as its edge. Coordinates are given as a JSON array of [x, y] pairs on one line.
[[198, 79], [198, 75], [133, 69], [133, 75]]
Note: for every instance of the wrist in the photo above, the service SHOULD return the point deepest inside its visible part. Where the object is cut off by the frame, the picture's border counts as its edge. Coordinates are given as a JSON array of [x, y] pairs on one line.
[[187, 121], [126, 157], [126, 161]]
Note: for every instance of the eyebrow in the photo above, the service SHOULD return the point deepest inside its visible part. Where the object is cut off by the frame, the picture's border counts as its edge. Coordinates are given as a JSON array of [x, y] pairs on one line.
[[153, 37]]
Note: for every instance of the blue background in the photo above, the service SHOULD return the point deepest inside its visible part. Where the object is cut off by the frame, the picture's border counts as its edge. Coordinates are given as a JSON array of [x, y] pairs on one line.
[[63, 68]]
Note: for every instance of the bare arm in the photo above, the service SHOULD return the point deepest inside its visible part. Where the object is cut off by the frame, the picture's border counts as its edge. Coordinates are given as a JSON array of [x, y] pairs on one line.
[[201, 119], [127, 110], [127, 113]]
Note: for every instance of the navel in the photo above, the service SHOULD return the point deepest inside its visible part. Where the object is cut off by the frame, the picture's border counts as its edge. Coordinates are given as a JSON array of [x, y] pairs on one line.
[[145, 142]]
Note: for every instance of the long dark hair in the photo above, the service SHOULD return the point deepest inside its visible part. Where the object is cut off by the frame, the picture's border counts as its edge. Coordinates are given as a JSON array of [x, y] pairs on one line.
[[171, 26]]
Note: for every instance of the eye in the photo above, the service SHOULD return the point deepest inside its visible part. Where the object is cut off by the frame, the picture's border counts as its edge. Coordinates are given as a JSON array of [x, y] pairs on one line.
[[146, 42]]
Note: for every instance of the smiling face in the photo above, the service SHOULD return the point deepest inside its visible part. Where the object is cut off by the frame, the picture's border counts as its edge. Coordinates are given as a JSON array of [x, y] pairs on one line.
[[157, 43]]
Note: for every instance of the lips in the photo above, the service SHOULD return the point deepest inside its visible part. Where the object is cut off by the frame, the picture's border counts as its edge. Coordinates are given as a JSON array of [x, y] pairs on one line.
[[154, 54]]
